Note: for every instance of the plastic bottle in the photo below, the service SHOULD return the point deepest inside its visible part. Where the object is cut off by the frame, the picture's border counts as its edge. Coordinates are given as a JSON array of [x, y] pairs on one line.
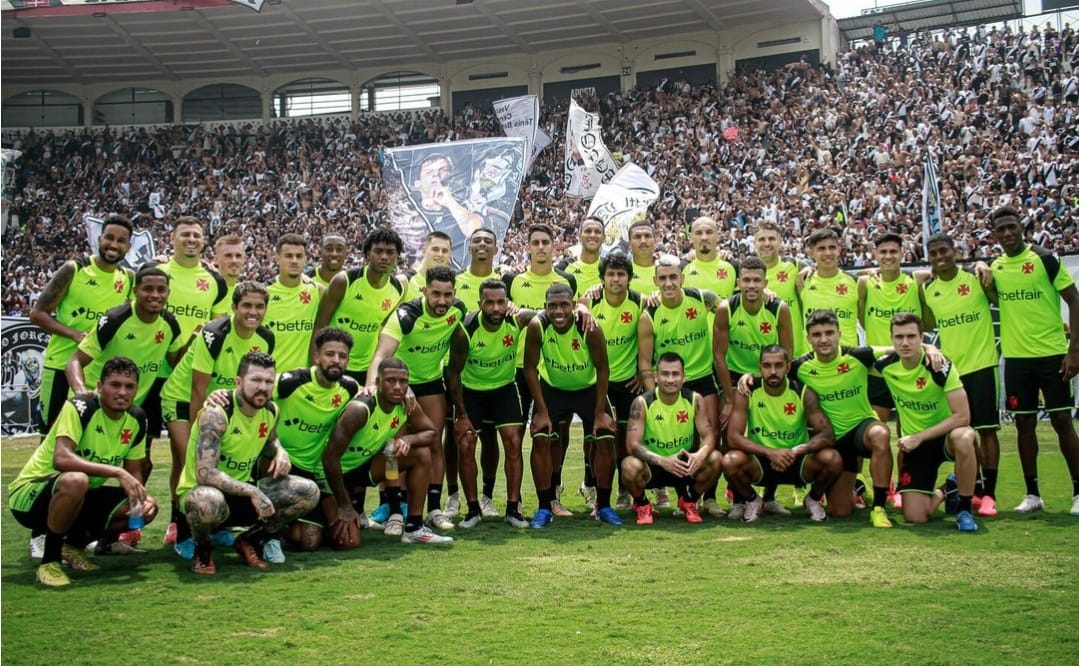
[[392, 473], [135, 520]]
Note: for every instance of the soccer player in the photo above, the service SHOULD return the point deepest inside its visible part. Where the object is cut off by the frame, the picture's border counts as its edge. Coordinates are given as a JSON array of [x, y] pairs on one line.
[[769, 436], [419, 333], [672, 443], [708, 270], [310, 402], [293, 304], [436, 252], [573, 379], [827, 287], [360, 299], [480, 377], [782, 276], [230, 448], [367, 447], [482, 248], [933, 420], [642, 245], [585, 268], [1030, 283], [230, 259], [71, 304], [332, 258], [60, 491], [957, 305]]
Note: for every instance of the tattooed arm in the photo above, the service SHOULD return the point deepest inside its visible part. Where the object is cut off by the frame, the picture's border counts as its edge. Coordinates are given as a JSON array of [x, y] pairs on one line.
[[41, 314], [212, 425], [275, 460], [823, 434], [352, 419]]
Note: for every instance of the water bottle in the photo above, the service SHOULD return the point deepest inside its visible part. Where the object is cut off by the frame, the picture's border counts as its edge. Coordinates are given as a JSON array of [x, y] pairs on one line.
[[135, 520], [392, 473]]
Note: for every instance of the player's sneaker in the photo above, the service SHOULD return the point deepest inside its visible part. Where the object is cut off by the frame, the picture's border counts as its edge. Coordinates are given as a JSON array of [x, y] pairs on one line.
[[488, 508], [381, 514], [471, 520], [115, 548], [516, 520], [204, 567], [272, 551], [1075, 506], [951, 495], [37, 547], [559, 510], [607, 515], [816, 510], [542, 518], [773, 506], [185, 548], [589, 495], [439, 520], [453, 505], [130, 537], [753, 509], [976, 502], [76, 559], [249, 555], [737, 512], [52, 575], [367, 524], [425, 535], [1030, 504], [689, 509], [624, 502], [987, 508], [663, 500], [170, 534], [879, 517], [897, 501], [395, 525], [645, 514], [223, 539], [713, 508], [965, 522], [859, 503]]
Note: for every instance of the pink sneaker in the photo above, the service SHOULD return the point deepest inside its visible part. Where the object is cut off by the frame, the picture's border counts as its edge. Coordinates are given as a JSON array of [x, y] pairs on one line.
[[170, 533], [132, 537], [988, 507]]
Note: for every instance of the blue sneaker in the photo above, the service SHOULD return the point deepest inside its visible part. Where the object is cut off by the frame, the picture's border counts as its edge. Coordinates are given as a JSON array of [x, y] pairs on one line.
[[542, 519], [965, 522], [185, 548], [607, 515], [381, 514], [223, 539], [951, 495]]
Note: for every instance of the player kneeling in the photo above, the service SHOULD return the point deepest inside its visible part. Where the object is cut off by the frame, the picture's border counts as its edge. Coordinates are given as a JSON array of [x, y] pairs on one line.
[[660, 435], [770, 443]]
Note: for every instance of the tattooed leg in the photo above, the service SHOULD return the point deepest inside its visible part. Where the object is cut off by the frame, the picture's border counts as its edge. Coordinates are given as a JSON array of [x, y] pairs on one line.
[[206, 511], [292, 497]]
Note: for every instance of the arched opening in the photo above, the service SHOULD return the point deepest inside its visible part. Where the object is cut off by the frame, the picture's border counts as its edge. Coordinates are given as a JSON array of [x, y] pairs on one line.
[[222, 101], [399, 91], [311, 97], [42, 108], [133, 106]]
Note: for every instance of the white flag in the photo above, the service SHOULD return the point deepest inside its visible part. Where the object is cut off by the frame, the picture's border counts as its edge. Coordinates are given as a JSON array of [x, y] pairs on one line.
[[588, 163], [142, 243], [519, 116], [621, 201], [930, 202]]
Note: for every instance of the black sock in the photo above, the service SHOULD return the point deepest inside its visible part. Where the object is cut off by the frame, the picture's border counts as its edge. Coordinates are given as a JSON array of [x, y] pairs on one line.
[[393, 499], [769, 493], [979, 485], [1032, 485], [640, 501], [434, 497], [177, 516], [752, 494], [880, 496], [451, 488], [545, 498], [256, 535], [556, 478], [513, 508], [990, 478], [54, 546], [816, 492], [473, 509], [359, 500], [690, 494], [413, 522], [383, 498], [489, 486], [203, 551], [710, 492], [183, 530], [589, 475], [1075, 486], [964, 502], [603, 497]]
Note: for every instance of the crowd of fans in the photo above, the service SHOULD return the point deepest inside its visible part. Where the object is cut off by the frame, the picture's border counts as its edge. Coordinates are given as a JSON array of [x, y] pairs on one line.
[[804, 146]]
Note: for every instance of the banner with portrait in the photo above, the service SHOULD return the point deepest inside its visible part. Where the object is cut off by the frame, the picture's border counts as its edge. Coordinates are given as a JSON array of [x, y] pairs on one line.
[[454, 188], [588, 163], [142, 243], [621, 201], [23, 365]]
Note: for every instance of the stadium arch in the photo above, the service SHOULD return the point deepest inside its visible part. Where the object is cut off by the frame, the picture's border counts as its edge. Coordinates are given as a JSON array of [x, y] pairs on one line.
[[222, 100], [311, 96], [133, 106], [45, 107], [400, 90]]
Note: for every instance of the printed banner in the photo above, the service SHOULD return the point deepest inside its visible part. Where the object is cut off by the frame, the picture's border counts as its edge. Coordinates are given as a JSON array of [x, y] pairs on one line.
[[23, 364], [621, 201], [588, 163], [142, 243], [9, 157], [519, 116], [454, 188], [930, 202]]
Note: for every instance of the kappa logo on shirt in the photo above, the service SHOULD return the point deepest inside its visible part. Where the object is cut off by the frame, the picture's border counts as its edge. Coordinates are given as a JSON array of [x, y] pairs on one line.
[[129, 336]]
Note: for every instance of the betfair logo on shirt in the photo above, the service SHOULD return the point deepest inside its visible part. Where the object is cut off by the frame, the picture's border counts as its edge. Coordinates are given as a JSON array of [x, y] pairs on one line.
[[1020, 295]]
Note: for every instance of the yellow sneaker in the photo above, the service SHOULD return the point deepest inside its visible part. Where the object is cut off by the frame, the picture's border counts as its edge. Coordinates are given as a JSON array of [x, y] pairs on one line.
[[52, 575], [74, 558], [879, 517]]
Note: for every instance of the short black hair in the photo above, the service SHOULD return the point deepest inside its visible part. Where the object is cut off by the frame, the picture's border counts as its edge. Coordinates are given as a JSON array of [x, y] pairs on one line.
[[290, 239], [384, 235], [120, 221], [492, 283], [150, 271], [331, 334], [441, 274], [119, 365], [256, 359], [616, 259], [904, 318], [889, 237], [821, 317]]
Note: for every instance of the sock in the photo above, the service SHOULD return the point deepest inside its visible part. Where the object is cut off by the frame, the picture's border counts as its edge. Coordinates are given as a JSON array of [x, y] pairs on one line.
[[990, 478], [979, 485], [413, 523], [1075, 486], [434, 497], [964, 502], [589, 475], [54, 545], [710, 492], [603, 497], [880, 496], [382, 496], [256, 535], [816, 492], [451, 488], [769, 493], [1032, 485], [512, 508], [859, 488], [473, 509], [203, 551], [359, 500], [545, 497], [691, 494], [183, 530], [177, 516], [393, 499], [752, 494], [489, 486], [640, 500], [556, 478]]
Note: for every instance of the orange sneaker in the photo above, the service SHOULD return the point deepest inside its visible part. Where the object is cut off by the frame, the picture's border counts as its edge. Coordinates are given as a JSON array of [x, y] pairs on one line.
[[249, 554], [988, 507], [204, 567], [690, 510], [170, 534], [645, 515]]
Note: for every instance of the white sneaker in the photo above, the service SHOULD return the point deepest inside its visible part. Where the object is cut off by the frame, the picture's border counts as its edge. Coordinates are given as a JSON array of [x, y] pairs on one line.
[[394, 525], [663, 501], [1075, 506], [471, 521], [713, 508], [737, 512], [816, 510], [37, 547], [753, 509], [589, 495], [773, 506], [1030, 504], [518, 521], [439, 520], [487, 507], [624, 501], [366, 523], [425, 535], [272, 552], [453, 505]]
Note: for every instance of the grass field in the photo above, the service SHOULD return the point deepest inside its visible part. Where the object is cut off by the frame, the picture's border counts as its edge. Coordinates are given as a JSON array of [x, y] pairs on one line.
[[779, 591]]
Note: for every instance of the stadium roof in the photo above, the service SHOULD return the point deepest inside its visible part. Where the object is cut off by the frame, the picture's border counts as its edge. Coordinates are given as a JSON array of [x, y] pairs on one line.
[[185, 39], [916, 16]]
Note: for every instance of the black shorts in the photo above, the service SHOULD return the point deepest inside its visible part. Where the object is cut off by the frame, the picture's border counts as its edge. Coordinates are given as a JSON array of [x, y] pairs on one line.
[[359, 375], [1025, 377], [97, 510], [621, 397], [983, 396], [706, 385], [497, 407], [661, 478], [152, 406], [433, 387], [562, 405], [794, 475], [852, 445], [879, 395], [54, 390], [524, 394], [920, 466]]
